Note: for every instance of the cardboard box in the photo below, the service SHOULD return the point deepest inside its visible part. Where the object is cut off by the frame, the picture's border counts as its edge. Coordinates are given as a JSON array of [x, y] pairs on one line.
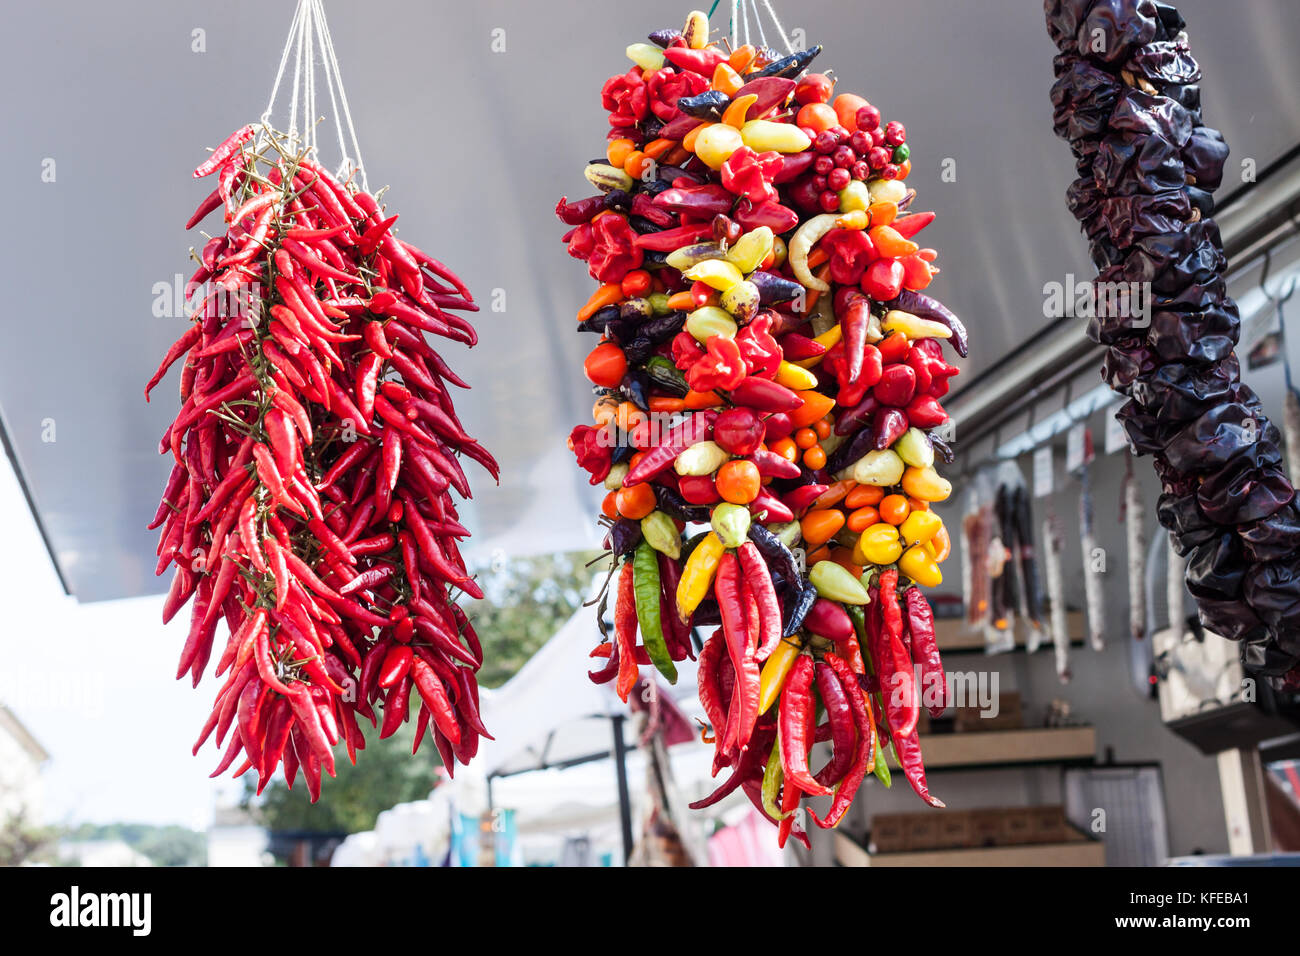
[[921, 832], [1010, 716], [987, 827], [955, 829], [1047, 824], [1017, 826], [888, 833]]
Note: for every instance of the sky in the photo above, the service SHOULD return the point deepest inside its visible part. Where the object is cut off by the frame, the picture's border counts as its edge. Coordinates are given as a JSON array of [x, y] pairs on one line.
[[93, 683]]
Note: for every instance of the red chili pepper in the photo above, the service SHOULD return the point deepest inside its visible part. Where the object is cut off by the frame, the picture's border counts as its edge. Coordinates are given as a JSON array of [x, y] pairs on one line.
[[227, 148], [795, 722], [722, 367], [740, 649], [759, 580], [625, 626]]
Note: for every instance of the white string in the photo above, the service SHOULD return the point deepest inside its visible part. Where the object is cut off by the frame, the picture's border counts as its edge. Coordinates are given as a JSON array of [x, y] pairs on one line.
[[284, 60], [297, 75], [735, 24], [779, 29], [309, 35], [744, 10], [333, 64], [329, 86], [762, 36]]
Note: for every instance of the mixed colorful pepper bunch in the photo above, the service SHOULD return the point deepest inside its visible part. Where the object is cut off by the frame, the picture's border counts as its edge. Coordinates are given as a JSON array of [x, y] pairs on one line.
[[768, 368], [316, 449], [1126, 98]]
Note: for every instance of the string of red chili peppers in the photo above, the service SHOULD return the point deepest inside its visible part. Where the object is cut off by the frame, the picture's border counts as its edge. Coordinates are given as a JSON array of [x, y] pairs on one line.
[[315, 450], [761, 290]]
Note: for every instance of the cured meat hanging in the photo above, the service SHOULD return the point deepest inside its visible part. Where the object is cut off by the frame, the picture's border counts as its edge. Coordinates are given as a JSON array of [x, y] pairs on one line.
[[770, 368]]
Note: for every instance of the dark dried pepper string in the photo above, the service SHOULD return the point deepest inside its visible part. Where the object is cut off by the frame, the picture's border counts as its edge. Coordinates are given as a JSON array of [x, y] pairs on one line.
[[1126, 99]]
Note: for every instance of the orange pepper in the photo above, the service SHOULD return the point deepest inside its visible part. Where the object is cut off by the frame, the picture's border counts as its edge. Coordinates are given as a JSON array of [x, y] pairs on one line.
[[608, 506], [890, 244], [814, 295], [607, 294], [734, 114], [916, 504], [786, 448], [636, 502], [678, 155], [805, 438], [819, 554], [942, 545], [696, 399], [634, 165], [818, 257], [844, 558], [833, 495], [656, 148], [742, 58], [904, 168], [681, 302], [815, 457], [628, 416], [815, 405], [863, 518], [603, 412], [667, 404], [726, 80], [818, 116], [864, 495], [883, 213], [894, 509], [688, 141], [819, 526], [617, 151]]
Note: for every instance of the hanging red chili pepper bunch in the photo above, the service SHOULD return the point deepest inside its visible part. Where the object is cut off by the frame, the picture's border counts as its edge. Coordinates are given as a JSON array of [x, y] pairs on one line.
[[316, 448], [769, 367]]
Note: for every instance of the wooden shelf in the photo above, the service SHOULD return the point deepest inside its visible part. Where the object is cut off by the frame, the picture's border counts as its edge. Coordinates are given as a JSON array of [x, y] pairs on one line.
[[1008, 747], [953, 635], [1080, 852]]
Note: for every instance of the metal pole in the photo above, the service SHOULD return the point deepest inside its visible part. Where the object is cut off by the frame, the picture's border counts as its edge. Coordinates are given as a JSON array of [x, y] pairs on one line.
[[624, 798]]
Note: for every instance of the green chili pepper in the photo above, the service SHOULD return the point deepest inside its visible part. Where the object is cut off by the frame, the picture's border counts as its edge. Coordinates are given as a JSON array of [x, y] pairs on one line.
[[787, 533], [881, 769], [859, 617], [645, 574], [661, 534], [837, 584], [773, 776], [666, 375], [730, 523]]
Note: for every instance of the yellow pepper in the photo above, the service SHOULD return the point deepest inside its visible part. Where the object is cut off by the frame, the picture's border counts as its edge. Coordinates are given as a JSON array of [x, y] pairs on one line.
[[647, 56], [605, 177], [661, 534], [717, 273], [926, 484], [855, 197], [710, 320], [751, 249], [775, 670], [854, 219], [920, 526], [920, 566], [715, 143], [794, 377], [878, 545], [829, 338], [881, 468], [896, 320], [764, 135], [697, 576]]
